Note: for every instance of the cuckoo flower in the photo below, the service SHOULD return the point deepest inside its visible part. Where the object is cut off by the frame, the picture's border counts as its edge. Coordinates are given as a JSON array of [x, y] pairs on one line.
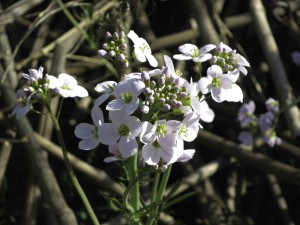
[[123, 130], [142, 49], [126, 93], [89, 132], [106, 88], [67, 86], [24, 105], [191, 52], [222, 86], [229, 60], [160, 142]]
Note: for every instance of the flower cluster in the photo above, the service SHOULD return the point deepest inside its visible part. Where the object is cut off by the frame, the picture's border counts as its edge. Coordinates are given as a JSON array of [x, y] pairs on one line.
[[139, 113], [115, 48], [43, 87], [152, 113], [226, 64], [262, 126]]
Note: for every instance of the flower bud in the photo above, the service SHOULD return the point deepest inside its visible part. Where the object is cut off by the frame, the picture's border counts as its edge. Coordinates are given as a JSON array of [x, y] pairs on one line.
[[116, 36], [102, 53], [111, 53], [107, 36], [145, 75], [166, 108], [121, 57], [123, 46], [106, 46], [145, 109], [122, 34]]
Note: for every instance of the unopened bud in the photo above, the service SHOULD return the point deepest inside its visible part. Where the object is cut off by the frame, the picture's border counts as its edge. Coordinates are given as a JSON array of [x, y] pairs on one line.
[[145, 109]]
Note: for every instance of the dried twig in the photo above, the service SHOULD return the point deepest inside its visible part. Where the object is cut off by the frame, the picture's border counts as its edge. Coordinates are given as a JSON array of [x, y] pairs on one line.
[[278, 72], [47, 181], [97, 176], [254, 159]]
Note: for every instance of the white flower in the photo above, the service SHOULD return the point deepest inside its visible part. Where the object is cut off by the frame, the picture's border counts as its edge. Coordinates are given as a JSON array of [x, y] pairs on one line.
[[116, 155], [67, 86], [89, 132], [126, 93], [153, 152], [123, 130], [142, 49], [190, 51], [222, 86], [106, 88], [189, 127], [239, 61], [34, 74], [160, 142], [23, 106]]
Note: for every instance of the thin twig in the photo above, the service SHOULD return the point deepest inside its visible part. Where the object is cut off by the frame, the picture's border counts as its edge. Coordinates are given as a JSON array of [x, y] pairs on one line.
[[97, 176], [257, 160], [47, 181], [278, 72]]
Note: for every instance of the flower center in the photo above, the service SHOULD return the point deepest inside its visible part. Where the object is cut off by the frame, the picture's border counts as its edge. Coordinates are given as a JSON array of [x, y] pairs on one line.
[[216, 82], [126, 97], [123, 130], [144, 47], [161, 129], [183, 131], [195, 53]]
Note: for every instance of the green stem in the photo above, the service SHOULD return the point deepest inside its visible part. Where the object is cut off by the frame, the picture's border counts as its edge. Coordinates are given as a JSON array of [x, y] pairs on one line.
[[70, 170], [136, 189], [159, 196], [163, 183], [75, 23], [155, 186]]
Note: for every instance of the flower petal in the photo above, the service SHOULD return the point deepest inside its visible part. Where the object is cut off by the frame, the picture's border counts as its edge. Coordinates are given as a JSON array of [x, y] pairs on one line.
[[205, 85], [88, 144], [128, 147], [84, 130], [151, 154]]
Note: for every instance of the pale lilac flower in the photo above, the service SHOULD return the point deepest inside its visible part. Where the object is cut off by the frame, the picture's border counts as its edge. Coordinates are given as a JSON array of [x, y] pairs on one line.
[[296, 57], [23, 106], [246, 114], [142, 49], [34, 74], [199, 106], [126, 93], [246, 138], [238, 61], [265, 121], [187, 155], [165, 132], [272, 105], [191, 52], [206, 114], [116, 155], [189, 128], [123, 130], [160, 142], [67, 86], [89, 133], [106, 89], [222, 86], [153, 152], [271, 139]]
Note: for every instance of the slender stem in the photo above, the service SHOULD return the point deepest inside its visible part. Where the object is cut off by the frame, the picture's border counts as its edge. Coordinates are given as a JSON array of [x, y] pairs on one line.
[[155, 186], [163, 183], [159, 195], [70, 170], [75, 23], [136, 189]]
